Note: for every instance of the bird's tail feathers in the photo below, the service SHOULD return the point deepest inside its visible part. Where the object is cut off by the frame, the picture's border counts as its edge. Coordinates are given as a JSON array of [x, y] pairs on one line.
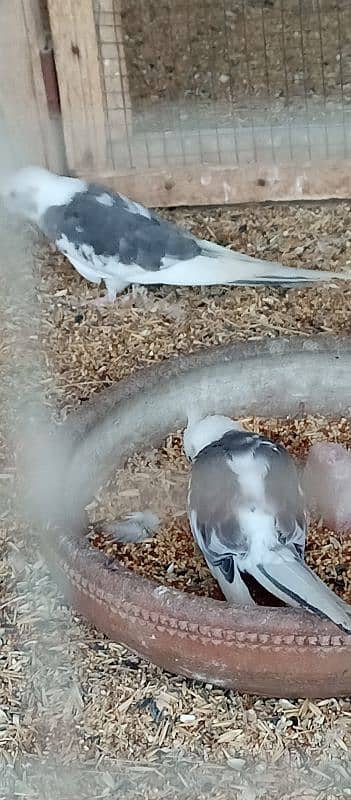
[[290, 579], [268, 272], [218, 266]]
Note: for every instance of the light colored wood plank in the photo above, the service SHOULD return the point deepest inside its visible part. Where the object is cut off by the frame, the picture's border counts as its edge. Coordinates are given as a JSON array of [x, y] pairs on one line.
[[22, 100], [51, 125], [78, 69], [230, 185]]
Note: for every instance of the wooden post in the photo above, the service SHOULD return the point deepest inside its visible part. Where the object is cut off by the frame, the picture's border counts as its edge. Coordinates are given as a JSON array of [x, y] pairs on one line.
[[78, 70], [51, 124], [30, 134]]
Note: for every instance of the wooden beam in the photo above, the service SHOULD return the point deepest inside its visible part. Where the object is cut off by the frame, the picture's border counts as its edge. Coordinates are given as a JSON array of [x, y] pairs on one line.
[[28, 135], [51, 124], [201, 185], [78, 70]]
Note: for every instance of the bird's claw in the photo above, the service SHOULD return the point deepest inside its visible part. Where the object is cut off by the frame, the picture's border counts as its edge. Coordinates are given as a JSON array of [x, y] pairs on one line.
[[102, 301]]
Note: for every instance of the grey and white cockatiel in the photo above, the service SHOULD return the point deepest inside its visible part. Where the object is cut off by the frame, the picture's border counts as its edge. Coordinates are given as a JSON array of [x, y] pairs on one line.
[[246, 512], [109, 238]]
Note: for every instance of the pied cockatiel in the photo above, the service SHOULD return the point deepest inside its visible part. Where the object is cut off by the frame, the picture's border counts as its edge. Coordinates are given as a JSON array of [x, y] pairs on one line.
[[246, 512], [109, 238]]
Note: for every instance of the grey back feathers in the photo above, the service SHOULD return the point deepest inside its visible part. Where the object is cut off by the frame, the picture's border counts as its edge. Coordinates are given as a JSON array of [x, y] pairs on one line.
[[216, 494], [116, 227]]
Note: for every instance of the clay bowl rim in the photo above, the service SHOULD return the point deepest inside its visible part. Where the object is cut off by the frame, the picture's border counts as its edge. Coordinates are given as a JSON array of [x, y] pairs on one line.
[[289, 632]]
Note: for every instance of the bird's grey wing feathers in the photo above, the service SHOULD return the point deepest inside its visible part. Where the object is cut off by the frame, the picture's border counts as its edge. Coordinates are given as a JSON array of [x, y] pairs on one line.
[[213, 490], [100, 224]]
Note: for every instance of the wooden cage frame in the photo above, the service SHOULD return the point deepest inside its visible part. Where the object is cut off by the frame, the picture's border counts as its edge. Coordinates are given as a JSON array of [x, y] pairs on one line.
[[24, 96], [83, 118]]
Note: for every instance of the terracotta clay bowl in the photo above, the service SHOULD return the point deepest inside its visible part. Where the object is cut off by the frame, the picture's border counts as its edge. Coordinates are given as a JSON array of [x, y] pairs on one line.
[[279, 652]]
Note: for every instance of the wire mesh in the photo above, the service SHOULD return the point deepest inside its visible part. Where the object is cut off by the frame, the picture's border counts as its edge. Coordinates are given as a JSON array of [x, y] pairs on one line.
[[230, 82]]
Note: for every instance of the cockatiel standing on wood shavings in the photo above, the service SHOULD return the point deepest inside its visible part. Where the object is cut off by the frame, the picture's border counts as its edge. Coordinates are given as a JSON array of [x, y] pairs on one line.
[[246, 512], [109, 238]]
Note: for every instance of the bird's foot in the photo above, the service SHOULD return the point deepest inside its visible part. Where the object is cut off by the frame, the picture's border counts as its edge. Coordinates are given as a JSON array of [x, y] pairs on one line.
[[136, 297], [100, 302]]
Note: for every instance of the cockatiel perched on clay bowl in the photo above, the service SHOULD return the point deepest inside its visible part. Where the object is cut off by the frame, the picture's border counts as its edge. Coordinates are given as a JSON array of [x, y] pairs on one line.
[[246, 511]]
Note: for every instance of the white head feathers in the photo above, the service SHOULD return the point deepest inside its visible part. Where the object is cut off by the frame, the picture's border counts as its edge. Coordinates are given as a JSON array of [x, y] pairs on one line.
[[32, 190], [198, 434]]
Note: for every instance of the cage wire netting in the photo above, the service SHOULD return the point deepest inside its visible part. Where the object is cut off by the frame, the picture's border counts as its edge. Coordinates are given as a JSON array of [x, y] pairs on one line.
[[231, 82]]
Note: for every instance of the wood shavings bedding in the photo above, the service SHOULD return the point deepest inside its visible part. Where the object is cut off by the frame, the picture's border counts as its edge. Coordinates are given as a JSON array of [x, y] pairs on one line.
[[70, 696], [88, 349]]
